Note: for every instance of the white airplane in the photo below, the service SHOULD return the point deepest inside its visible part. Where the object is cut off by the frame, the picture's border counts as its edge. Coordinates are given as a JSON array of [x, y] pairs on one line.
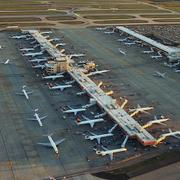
[[38, 60], [140, 109], [109, 32], [46, 32], [101, 28], [171, 65], [175, 134], [148, 52], [97, 72], [112, 129], [157, 56], [100, 115], [32, 54], [130, 43], [41, 66], [177, 70], [53, 77], [91, 122], [70, 82], [53, 144], [76, 55], [156, 121], [159, 74], [18, 37], [122, 40], [37, 118], [6, 62], [60, 44], [122, 52], [61, 87], [27, 49], [97, 137], [25, 92], [81, 93], [1, 47], [74, 110]]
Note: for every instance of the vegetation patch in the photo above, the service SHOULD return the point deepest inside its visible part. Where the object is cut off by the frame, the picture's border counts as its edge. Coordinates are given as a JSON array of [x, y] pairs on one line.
[[161, 16], [24, 24], [109, 17], [57, 18], [120, 21], [71, 22], [167, 20], [18, 19]]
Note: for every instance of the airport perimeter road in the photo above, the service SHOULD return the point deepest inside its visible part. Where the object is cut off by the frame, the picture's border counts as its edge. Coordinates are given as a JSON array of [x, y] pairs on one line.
[[131, 75]]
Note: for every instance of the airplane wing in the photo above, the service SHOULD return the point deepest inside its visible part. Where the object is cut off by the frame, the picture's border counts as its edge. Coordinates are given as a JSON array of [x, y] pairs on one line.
[[43, 117], [29, 92], [93, 133], [20, 93], [86, 118], [111, 156], [45, 144], [32, 119], [59, 141]]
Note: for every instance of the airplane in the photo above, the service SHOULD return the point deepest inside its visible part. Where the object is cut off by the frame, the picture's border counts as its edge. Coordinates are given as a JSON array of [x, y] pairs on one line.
[[74, 110], [100, 115], [122, 40], [6, 62], [53, 144], [171, 65], [156, 121], [25, 92], [177, 70], [46, 32], [70, 82], [38, 66], [101, 28], [1, 47], [97, 72], [37, 118], [53, 77], [97, 137], [140, 109], [38, 60], [164, 136], [61, 87], [122, 52], [54, 39], [18, 37], [109, 32], [91, 122], [92, 103], [33, 53], [148, 52], [60, 44], [76, 55], [27, 49], [113, 151], [111, 130], [130, 43], [159, 74], [47, 36], [81, 93], [157, 56]]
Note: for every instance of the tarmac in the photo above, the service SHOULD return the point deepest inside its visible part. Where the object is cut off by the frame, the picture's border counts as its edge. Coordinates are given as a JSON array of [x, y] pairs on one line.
[[130, 76]]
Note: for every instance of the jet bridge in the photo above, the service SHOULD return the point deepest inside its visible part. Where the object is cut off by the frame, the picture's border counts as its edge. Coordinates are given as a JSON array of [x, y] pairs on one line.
[[130, 126], [173, 53]]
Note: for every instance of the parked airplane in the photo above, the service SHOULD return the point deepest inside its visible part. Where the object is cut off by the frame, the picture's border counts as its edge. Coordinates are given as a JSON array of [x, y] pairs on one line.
[[177, 70], [109, 32], [171, 65], [27, 49], [159, 74], [53, 77], [130, 43], [37, 118], [53, 144], [157, 56], [97, 72], [42, 66], [25, 92], [112, 129], [32, 54], [140, 109], [38, 60], [70, 82], [156, 121], [76, 55], [74, 110], [122, 52], [81, 93], [91, 122], [6, 62], [18, 36], [101, 28], [122, 40], [164, 136], [100, 115], [1, 47], [60, 87], [60, 44], [148, 52], [46, 32], [97, 137]]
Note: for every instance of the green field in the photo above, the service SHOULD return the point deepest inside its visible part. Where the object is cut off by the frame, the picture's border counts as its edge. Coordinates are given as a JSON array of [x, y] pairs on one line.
[[71, 22], [161, 16], [167, 20], [57, 18], [18, 19]]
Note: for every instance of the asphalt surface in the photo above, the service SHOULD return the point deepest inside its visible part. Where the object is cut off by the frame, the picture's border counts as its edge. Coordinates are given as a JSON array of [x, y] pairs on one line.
[[22, 158]]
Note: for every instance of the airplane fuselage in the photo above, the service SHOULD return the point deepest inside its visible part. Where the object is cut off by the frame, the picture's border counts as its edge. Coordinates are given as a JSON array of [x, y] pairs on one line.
[[53, 144], [38, 119]]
